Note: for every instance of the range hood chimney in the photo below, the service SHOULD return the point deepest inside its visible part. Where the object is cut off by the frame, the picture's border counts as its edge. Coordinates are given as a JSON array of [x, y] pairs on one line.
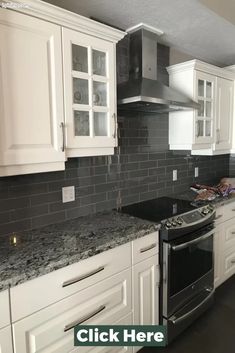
[[143, 92]]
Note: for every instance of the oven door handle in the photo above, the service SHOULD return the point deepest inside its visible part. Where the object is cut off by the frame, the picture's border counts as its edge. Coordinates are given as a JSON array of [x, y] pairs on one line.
[[176, 321], [192, 242]]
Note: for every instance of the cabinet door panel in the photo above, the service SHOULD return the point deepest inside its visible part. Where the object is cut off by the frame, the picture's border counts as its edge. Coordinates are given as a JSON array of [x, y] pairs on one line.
[[223, 131], [104, 303], [205, 116], [6, 340], [31, 91], [218, 255], [90, 93]]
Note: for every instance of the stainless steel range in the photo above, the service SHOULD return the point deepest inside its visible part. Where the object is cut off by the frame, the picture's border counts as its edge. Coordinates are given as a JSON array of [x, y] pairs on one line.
[[186, 259]]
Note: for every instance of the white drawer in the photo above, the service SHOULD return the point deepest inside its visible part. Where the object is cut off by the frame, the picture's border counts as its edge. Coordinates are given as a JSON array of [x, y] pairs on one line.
[[145, 247], [229, 263], [229, 211], [4, 309], [219, 215], [6, 340], [51, 329], [38, 293], [229, 234]]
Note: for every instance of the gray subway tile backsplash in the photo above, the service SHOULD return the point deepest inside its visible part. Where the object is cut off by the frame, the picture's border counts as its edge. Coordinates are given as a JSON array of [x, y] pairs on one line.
[[141, 171]]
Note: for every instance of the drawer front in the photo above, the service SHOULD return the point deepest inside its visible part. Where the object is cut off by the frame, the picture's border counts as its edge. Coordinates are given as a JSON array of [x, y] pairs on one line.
[[145, 247], [4, 309], [124, 321], [219, 218], [51, 330], [62, 283], [229, 263], [229, 211], [6, 340], [229, 234]]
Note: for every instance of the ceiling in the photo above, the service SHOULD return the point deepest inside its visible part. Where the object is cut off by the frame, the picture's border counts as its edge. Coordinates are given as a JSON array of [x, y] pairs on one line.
[[195, 27]]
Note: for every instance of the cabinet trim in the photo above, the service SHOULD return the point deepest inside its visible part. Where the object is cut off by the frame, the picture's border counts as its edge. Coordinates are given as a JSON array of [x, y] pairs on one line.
[[65, 18]]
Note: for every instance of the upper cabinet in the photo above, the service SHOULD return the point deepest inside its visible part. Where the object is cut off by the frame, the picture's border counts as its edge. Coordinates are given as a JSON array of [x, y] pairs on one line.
[[31, 95], [90, 94], [206, 131], [57, 88]]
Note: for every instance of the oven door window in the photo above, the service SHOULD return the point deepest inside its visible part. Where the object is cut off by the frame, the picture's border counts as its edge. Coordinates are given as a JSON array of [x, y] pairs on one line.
[[189, 264]]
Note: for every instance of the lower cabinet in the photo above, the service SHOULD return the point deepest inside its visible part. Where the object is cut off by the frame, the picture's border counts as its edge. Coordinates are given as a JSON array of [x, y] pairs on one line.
[[146, 293], [217, 255], [6, 340], [51, 329]]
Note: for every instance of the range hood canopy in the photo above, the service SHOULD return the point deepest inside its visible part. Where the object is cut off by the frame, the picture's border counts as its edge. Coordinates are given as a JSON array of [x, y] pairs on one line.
[[143, 92]]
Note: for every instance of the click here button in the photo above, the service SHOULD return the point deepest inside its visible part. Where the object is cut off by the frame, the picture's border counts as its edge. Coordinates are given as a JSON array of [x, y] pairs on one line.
[[117, 335]]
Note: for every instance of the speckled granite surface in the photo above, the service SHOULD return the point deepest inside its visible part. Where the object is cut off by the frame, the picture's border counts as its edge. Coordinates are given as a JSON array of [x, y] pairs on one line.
[[47, 249]]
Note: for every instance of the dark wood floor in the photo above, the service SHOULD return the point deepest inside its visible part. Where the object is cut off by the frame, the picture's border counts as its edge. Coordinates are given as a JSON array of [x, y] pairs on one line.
[[214, 332]]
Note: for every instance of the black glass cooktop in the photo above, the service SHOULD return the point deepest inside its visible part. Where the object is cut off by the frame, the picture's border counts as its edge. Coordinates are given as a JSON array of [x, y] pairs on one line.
[[159, 209]]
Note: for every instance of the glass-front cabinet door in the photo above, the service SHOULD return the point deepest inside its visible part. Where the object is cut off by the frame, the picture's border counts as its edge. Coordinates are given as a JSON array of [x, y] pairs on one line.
[[90, 93], [205, 116]]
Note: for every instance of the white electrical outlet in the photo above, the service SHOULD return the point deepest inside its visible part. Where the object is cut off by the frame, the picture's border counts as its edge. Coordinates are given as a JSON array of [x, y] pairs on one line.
[[68, 194], [175, 175], [196, 172]]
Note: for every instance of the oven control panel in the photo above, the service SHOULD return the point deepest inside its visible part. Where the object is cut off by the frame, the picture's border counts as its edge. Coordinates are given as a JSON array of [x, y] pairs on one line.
[[190, 218]]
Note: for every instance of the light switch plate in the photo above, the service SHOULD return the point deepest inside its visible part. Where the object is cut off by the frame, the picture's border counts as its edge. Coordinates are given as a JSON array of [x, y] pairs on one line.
[[175, 175], [196, 172], [68, 194]]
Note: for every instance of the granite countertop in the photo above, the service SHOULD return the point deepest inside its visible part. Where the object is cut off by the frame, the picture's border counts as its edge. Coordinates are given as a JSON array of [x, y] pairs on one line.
[[30, 254]]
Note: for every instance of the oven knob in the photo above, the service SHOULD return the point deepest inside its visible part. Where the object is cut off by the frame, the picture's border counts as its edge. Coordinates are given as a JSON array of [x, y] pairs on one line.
[[173, 223], [205, 211], [168, 224], [179, 221]]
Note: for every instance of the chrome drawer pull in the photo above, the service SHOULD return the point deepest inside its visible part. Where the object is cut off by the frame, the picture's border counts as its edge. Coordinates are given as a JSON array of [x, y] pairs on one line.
[[233, 209], [148, 247], [219, 216], [80, 278], [232, 232], [63, 136], [84, 318], [232, 261]]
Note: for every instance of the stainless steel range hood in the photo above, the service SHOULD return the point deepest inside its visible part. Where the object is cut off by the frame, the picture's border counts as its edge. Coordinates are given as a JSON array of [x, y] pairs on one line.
[[143, 92]]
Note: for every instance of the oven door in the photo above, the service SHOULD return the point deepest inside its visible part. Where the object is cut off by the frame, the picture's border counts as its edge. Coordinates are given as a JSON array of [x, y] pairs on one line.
[[188, 269]]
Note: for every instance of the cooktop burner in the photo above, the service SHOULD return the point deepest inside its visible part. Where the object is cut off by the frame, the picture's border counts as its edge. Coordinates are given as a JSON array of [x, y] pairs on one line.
[[157, 210]]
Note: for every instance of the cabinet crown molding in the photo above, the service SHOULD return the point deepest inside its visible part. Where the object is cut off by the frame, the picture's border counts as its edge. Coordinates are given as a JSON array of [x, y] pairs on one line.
[[201, 66], [65, 18]]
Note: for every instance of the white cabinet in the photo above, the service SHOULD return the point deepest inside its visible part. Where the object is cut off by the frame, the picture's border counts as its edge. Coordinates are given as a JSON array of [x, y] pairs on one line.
[[31, 95], [224, 114], [38, 72], [208, 130], [145, 292], [51, 329], [5, 328], [6, 340], [145, 277], [90, 94], [224, 244]]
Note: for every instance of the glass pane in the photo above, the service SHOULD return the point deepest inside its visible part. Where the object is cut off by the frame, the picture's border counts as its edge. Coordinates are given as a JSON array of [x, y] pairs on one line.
[[80, 91], [208, 128], [99, 62], [200, 128], [100, 124], [81, 123], [208, 89], [208, 109], [201, 109], [79, 58], [201, 88], [99, 93]]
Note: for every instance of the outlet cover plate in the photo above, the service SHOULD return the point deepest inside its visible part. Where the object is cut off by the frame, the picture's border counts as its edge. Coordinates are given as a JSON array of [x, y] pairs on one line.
[[68, 194]]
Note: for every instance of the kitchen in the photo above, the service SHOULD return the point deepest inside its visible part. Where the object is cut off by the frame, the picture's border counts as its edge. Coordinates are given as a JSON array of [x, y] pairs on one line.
[[56, 255]]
